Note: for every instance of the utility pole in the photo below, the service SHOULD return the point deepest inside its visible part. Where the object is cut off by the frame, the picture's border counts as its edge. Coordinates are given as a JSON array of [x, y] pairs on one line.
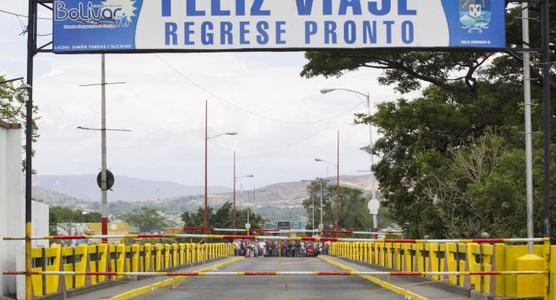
[[367, 97], [234, 196], [206, 160], [321, 225], [313, 225], [206, 164], [338, 181], [547, 115], [104, 201], [371, 143], [528, 129], [254, 201], [103, 147], [234, 212], [31, 51]]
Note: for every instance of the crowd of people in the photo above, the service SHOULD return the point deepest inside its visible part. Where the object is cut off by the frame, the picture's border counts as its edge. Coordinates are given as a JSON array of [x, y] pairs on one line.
[[249, 248]]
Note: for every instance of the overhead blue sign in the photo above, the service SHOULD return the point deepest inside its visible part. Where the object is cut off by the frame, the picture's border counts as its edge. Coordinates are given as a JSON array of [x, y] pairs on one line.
[[226, 25]]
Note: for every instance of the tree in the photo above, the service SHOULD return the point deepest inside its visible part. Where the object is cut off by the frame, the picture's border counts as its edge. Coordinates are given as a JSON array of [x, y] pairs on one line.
[[147, 219], [221, 218], [455, 72], [354, 213], [59, 214], [476, 190], [12, 108], [465, 95]]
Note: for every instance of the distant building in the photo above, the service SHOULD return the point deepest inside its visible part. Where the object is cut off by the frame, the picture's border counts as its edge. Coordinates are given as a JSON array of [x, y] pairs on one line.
[[116, 227]]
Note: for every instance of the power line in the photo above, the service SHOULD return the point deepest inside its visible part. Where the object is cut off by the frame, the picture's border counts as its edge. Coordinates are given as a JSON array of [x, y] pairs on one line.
[[245, 109], [20, 15]]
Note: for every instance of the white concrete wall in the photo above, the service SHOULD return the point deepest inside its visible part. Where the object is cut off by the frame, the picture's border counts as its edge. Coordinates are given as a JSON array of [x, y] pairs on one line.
[[40, 222], [11, 204], [12, 212]]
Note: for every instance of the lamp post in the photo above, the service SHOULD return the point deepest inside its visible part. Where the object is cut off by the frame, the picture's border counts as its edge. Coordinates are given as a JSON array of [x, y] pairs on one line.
[[320, 227], [528, 129], [367, 98], [234, 191], [207, 138], [337, 179]]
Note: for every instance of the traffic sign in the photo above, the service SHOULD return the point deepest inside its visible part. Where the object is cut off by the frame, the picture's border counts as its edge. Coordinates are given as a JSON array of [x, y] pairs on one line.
[[284, 225], [271, 225], [373, 206], [109, 180], [297, 225]]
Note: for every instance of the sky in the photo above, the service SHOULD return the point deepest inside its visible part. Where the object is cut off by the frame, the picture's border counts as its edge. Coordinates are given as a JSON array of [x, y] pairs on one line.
[[283, 121]]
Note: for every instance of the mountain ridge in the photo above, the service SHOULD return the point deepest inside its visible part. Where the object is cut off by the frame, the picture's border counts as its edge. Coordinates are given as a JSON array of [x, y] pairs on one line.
[[128, 189], [274, 201]]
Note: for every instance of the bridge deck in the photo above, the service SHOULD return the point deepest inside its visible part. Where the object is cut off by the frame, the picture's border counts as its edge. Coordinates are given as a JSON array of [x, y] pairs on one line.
[[273, 287], [276, 287]]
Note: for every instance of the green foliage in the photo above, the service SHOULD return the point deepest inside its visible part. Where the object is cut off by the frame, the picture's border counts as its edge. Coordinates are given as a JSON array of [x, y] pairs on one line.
[[147, 219], [221, 218], [67, 215], [354, 213], [468, 120], [13, 110]]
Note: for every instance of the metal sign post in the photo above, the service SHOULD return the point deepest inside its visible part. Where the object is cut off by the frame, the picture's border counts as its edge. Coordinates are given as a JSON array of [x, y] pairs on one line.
[[169, 16]]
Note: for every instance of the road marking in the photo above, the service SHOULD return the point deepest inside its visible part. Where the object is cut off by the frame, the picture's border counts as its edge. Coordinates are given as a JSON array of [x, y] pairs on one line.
[[384, 284], [172, 281]]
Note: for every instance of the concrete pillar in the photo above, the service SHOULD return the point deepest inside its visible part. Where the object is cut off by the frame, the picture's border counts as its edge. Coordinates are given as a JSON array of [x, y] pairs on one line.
[[11, 203]]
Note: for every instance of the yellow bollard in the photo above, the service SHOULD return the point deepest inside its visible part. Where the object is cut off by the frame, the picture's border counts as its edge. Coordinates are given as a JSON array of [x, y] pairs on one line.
[[147, 260], [181, 254], [530, 286], [120, 259], [75, 259], [158, 257], [175, 255], [408, 265], [167, 256], [51, 257]]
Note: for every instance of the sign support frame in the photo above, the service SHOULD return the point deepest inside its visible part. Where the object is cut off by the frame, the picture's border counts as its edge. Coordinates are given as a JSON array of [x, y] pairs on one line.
[[33, 50]]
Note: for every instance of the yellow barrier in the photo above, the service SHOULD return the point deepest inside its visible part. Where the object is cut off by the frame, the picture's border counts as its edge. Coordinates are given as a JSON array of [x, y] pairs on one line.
[[454, 257], [132, 257], [74, 259], [117, 258], [46, 259], [98, 256]]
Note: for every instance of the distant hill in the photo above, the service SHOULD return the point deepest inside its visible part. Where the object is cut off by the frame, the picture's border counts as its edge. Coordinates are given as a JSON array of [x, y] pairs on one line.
[[277, 201], [274, 201], [53, 198], [126, 189]]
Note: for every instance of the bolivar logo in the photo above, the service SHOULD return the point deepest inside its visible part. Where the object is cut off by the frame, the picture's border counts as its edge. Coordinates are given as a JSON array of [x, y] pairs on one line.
[[475, 15], [116, 13]]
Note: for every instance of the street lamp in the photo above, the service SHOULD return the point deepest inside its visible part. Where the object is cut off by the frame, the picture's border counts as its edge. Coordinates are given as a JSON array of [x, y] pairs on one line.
[[313, 210], [337, 178], [234, 193], [207, 138], [367, 98], [248, 225]]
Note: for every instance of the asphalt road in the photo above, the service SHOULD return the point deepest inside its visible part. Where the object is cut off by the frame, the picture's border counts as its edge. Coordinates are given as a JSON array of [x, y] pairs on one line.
[[275, 287]]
